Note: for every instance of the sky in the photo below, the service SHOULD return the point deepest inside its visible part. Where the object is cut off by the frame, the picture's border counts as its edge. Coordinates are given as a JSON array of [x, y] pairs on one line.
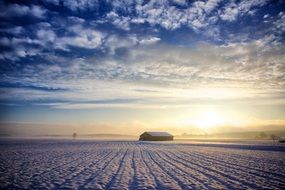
[[124, 66]]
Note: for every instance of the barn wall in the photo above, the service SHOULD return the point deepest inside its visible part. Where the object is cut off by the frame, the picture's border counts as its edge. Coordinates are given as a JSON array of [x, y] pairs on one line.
[[146, 137]]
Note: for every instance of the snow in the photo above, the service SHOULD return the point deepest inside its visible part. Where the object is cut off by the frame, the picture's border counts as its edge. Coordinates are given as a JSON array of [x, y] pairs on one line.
[[87, 164]]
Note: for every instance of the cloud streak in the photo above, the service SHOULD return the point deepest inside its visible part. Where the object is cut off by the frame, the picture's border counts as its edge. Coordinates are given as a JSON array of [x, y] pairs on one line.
[[225, 71]]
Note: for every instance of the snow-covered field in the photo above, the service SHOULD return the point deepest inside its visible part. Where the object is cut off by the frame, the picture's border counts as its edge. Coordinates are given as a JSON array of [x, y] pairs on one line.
[[86, 164]]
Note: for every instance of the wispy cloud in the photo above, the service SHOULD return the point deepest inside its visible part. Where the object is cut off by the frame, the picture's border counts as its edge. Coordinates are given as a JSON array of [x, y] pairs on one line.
[[160, 70]]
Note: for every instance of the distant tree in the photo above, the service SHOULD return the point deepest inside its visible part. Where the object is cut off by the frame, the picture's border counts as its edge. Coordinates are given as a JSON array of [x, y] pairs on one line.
[[74, 135], [262, 135], [274, 137]]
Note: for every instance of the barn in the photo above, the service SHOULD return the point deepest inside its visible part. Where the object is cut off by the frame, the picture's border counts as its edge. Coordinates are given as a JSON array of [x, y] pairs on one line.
[[281, 139], [156, 136]]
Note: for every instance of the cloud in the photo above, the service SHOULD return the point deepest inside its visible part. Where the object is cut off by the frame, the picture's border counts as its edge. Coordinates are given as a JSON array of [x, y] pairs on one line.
[[170, 15], [17, 30], [246, 7], [18, 48], [16, 10], [118, 21], [200, 16], [162, 72], [116, 43], [230, 13], [76, 35], [85, 38], [232, 10], [46, 35], [135, 45], [280, 23], [76, 5], [149, 41]]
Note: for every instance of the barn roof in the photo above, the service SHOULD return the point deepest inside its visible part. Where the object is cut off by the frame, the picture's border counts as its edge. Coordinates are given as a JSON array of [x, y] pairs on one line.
[[159, 134]]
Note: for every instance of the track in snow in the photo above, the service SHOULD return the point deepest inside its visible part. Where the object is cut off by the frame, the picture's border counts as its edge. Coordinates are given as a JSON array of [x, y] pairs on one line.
[[64, 164]]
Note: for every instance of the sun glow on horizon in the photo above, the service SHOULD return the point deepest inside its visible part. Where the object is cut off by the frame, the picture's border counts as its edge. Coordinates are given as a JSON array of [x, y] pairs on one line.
[[210, 118], [203, 119]]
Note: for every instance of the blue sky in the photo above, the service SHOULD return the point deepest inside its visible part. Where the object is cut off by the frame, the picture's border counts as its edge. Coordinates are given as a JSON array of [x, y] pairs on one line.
[[141, 61]]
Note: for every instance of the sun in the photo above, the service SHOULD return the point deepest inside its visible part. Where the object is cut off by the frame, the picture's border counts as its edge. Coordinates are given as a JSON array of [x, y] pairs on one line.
[[209, 118]]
